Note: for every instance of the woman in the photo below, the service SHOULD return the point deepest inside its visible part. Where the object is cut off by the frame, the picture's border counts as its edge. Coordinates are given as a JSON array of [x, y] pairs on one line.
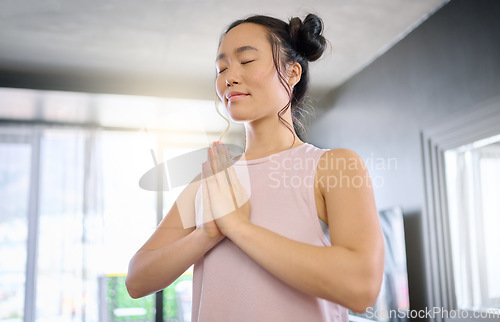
[[258, 248]]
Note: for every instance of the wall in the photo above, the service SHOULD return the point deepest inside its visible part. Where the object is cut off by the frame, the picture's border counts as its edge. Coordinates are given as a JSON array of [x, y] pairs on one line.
[[445, 67]]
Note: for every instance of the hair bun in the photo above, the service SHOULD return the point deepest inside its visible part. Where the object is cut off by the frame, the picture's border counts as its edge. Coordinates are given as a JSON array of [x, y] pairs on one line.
[[307, 36]]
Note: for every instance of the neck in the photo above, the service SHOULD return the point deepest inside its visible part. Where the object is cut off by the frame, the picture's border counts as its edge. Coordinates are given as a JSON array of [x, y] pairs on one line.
[[265, 137]]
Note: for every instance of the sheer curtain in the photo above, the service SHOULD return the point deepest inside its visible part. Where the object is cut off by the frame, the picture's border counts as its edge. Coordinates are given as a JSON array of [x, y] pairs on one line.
[[473, 182], [70, 226], [490, 179], [71, 217], [72, 213], [15, 165], [51, 223]]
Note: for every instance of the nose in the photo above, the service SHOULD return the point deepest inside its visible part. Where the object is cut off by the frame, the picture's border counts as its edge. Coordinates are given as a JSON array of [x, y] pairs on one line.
[[230, 83], [232, 76]]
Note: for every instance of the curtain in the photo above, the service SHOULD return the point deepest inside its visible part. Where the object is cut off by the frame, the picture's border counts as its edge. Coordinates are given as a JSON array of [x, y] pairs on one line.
[[50, 178], [15, 165], [70, 225], [473, 182]]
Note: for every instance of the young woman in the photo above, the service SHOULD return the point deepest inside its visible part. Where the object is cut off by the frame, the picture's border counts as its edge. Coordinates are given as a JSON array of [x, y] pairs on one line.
[[259, 250]]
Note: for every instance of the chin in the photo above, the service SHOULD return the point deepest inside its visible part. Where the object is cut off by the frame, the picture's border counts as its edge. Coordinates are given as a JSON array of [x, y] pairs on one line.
[[238, 118], [237, 115]]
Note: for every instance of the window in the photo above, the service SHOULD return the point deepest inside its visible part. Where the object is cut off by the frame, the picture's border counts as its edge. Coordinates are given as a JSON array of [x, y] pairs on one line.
[[462, 215], [76, 213], [92, 216], [15, 165], [473, 183]]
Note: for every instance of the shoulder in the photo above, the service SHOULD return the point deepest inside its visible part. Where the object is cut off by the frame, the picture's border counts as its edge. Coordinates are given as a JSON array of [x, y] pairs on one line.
[[340, 152], [340, 159], [338, 168]]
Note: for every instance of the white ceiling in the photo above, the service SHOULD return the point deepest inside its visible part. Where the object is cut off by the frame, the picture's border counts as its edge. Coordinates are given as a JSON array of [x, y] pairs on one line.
[[170, 45]]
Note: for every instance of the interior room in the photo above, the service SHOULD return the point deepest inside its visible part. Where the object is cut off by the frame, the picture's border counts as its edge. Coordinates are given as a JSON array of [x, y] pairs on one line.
[[95, 97]]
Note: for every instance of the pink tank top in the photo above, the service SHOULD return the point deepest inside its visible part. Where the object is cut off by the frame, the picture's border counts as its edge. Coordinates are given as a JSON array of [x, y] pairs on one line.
[[228, 285]]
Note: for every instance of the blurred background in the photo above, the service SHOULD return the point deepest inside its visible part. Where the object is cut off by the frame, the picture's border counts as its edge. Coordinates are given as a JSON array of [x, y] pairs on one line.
[[93, 94]]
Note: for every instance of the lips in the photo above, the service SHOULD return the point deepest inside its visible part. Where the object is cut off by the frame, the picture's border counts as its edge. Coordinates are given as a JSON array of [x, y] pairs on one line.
[[233, 96]]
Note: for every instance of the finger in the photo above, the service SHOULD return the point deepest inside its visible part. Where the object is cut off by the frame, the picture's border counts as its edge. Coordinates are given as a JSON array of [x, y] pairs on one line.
[[220, 175], [225, 185], [207, 207], [207, 170], [221, 156], [240, 193], [216, 156], [232, 177], [223, 178], [211, 159], [227, 163], [209, 175], [227, 157]]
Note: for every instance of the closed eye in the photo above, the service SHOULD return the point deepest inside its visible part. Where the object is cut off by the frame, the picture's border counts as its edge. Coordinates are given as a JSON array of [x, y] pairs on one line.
[[220, 71], [246, 62]]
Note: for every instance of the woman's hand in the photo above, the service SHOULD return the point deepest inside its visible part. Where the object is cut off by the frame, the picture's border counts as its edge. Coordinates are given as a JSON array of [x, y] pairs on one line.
[[224, 198], [205, 221]]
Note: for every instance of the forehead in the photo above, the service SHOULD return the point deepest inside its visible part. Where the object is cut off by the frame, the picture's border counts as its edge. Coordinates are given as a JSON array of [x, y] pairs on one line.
[[246, 34]]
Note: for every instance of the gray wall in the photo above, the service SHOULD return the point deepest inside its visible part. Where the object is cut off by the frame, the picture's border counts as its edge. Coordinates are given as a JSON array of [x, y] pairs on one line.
[[445, 67]]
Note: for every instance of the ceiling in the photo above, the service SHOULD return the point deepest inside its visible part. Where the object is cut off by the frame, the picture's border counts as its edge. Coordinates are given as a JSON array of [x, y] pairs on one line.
[[167, 47]]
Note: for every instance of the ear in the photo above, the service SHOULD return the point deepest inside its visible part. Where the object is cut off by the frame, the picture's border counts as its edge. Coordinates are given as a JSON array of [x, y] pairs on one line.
[[294, 74]]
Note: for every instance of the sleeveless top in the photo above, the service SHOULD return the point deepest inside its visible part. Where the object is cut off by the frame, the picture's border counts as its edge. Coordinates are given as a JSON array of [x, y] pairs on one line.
[[227, 284]]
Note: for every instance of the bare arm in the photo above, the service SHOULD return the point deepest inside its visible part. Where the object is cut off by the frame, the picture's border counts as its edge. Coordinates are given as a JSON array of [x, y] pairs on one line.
[[350, 271], [171, 250]]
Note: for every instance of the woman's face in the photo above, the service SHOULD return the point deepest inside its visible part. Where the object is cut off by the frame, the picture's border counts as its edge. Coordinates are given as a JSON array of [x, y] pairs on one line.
[[247, 81]]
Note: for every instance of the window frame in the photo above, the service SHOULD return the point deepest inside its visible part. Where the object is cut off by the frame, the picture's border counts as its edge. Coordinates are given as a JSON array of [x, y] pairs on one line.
[[30, 137], [481, 123]]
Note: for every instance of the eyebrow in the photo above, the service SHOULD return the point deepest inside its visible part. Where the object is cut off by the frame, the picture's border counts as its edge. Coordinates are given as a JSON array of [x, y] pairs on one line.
[[237, 51]]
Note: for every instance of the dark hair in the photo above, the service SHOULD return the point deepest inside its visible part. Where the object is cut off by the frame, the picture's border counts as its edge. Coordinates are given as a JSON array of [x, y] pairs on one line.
[[296, 41]]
